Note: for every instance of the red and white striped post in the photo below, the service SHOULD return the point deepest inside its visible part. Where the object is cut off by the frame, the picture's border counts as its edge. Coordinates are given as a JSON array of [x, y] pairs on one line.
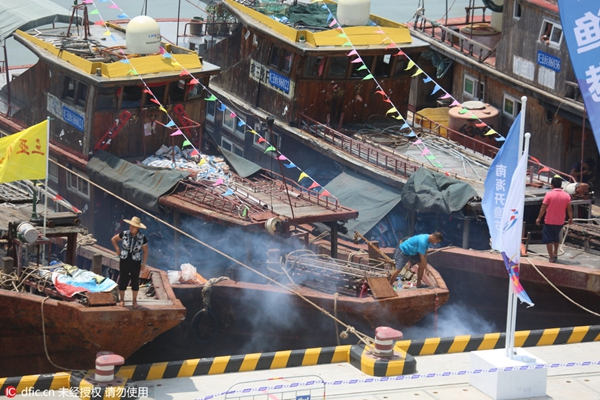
[[105, 365], [384, 340]]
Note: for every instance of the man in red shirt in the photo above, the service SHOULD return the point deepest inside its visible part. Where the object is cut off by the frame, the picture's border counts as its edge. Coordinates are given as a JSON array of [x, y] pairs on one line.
[[556, 204]]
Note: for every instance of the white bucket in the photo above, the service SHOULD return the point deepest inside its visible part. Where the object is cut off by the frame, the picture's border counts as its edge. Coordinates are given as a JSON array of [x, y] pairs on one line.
[[27, 232]]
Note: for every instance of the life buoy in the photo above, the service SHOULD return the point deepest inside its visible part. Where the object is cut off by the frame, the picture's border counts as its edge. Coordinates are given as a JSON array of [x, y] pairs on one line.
[[205, 326], [493, 6]]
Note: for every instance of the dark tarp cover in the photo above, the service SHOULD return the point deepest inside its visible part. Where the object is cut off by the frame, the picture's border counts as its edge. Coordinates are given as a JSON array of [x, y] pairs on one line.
[[429, 191], [139, 184], [372, 200], [25, 15], [240, 165]]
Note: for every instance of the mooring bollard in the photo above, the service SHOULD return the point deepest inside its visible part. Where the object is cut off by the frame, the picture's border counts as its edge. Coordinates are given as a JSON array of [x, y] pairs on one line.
[[384, 340], [105, 365]]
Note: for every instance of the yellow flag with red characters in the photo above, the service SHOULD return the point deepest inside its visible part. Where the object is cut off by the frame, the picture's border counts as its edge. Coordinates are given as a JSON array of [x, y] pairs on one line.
[[23, 155]]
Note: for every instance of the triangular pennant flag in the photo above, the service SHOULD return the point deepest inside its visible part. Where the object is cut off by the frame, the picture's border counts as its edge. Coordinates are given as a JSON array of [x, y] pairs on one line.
[[362, 67], [94, 12], [463, 111], [218, 182], [329, 17], [491, 132], [161, 108], [455, 103], [356, 60], [411, 64], [270, 148], [241, 123], [325, 193], [400, 53], [427, 79], [161, 50], [314, 185], [261, 139], [211, 98], [183, 73], [302, 176], [425, 151], [176, 133], [113, 6], [387, 100], [544, 169], [352, 53], [391, 110], [436, 88], [445, 96], [347, 44], [232, 115], [155, 101], [229, 192], [167, 56], [380, 32], [222, 107], [253, 132], [194, 153], [418, 141], [332, 23], [106, 33], [410, 134], [419, 72], [101, 22], [170, 124], [194, 81], [186, 143], [290, 165], [405, 126], [146, 91], [369, 76], [282, 157], [343, 35], [480, 124], [391, 45], [175, 63], [399, 117], [125, 61], [381, 92], [122, 16], [430, 157], [202, 162], [499, 138]]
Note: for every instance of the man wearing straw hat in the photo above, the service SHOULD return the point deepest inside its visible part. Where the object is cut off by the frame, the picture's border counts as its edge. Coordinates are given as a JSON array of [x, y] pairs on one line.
[[133, 254]]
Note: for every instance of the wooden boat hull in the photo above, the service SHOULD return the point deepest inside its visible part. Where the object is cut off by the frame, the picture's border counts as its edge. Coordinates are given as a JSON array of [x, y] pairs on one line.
[[75, 333]]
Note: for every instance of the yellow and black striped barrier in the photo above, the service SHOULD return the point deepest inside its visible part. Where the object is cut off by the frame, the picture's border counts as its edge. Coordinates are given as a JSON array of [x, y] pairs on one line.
[[307, 357], [466, 343]]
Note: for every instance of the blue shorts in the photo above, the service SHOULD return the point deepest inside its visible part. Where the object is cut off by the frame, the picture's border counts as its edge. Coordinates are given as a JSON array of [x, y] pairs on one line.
[[551, 233], [400, 258]]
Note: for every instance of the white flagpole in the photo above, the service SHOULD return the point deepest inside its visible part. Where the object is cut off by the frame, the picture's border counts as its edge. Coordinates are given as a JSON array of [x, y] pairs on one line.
[[511, 307], [46, 180]]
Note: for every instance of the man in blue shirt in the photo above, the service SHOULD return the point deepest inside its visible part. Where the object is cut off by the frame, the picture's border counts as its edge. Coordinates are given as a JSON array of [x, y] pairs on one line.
[[410, 248]]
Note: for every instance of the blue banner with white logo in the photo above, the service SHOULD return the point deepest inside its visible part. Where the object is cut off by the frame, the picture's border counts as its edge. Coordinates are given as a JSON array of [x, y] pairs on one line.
[[497, 182], [581, 26]]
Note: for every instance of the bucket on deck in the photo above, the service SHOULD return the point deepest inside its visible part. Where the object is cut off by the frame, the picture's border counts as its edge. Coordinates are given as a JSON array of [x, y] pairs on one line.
[[26, 231]]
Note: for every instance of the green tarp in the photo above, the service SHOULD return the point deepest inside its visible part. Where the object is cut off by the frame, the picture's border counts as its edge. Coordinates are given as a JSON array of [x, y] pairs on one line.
[[240, 165], [138, 184], [429, 191]]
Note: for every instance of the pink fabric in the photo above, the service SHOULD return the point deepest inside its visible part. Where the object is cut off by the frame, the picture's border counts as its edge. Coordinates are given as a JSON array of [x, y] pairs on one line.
[[557, 201]]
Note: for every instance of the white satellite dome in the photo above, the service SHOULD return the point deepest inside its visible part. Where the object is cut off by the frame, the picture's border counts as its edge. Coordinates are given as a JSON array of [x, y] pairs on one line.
[[353, 12], [143, 35]]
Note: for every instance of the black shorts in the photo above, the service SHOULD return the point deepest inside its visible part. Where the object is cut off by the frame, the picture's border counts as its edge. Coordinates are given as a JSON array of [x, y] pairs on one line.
[[551, 233], [401, 259], [129, 271]]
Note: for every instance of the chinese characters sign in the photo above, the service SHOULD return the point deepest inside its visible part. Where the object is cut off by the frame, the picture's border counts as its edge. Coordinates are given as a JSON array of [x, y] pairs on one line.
[[581, 26]]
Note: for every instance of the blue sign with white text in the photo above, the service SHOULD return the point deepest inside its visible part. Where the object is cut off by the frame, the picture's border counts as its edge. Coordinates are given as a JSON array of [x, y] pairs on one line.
[[73, 118], [581, 26], [279, 81], [303, 397], [548, 61]]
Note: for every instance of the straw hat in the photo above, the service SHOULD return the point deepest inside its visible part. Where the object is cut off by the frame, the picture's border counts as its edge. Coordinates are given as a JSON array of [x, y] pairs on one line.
[[135, 221]]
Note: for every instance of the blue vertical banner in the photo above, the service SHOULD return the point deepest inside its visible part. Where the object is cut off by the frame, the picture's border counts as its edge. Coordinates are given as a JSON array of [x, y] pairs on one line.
[[498, 181], [580, 21]]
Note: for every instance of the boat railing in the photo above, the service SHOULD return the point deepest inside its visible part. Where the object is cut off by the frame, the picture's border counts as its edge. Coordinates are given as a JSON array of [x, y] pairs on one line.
[[538, 172], [356, 148], [452, 37]]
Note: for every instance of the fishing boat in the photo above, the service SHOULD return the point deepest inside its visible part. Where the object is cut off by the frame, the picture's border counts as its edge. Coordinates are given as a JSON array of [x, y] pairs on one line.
[[59, 316], [122, 112]]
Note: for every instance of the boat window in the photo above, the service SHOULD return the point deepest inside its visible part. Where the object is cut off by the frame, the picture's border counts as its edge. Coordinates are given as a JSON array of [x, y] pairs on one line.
[[69, 90], [383, 65], [473, 89], [228, 120], [132, 96], [337, 67], [210, 110], [314, 66], [517, 9], [177, 91], [232, 147], [357, 72], [159, 93], [288, 58], [195, 91], [78, 185], [551, 33], [81, 94], [511, 106], [400, 66], [275, 56], [107, 98]]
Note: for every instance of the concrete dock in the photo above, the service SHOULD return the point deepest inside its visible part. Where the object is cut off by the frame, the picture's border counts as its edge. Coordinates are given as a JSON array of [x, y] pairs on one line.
[[573, 372]]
